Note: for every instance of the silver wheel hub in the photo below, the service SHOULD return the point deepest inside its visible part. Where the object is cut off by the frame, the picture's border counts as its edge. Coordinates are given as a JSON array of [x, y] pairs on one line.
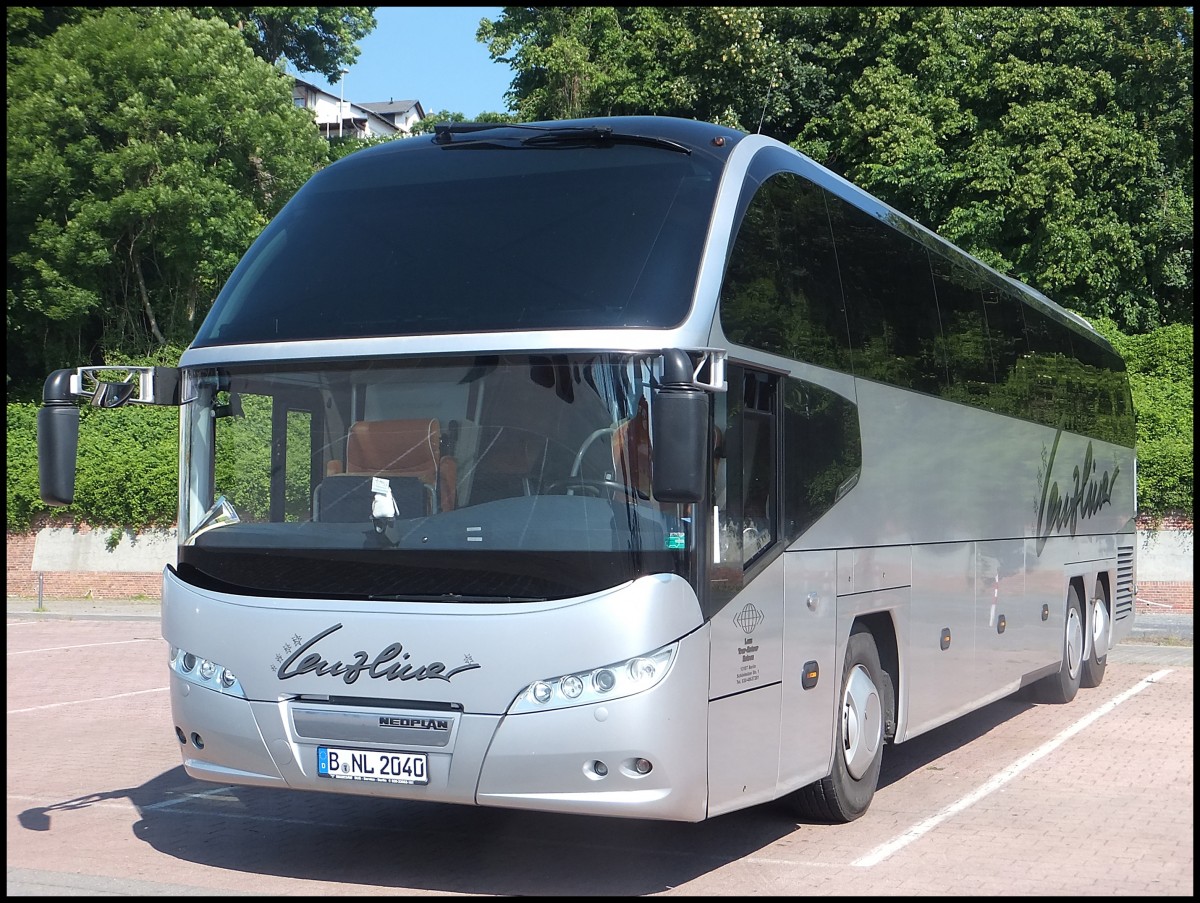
[[1099, 628], [862, 722], [1074, 641]]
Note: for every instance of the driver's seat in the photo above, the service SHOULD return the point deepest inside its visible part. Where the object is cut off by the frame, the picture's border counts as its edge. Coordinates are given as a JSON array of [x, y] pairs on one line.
[[508, 459]]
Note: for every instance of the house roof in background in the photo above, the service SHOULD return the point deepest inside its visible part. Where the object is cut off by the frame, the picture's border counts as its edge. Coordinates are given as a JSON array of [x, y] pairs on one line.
[[394, 106]]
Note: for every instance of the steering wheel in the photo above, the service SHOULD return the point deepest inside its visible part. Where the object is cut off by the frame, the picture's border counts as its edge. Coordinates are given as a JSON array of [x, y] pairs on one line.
[[594, 488]]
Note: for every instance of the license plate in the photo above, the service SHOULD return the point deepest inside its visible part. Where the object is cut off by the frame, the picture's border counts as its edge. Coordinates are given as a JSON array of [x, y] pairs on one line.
[[372, 765]]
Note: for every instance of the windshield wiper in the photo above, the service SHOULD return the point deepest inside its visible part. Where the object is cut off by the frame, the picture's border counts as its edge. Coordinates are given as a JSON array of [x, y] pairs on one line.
[[450, 597], [547, 137]]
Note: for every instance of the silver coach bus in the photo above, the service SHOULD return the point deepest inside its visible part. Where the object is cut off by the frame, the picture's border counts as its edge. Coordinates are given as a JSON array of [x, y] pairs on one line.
[[630, 467]]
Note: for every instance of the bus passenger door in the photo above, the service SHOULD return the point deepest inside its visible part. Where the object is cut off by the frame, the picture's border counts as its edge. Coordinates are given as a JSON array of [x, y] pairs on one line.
[[745, 587]]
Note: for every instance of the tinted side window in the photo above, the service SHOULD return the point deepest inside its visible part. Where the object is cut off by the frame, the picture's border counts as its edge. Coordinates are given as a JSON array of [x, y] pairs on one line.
[[889, 300], [1005, 319], [755, 429], [815, 279], [781, 291], [822, 453], [969, 374], [1103, 391], [1004, 316]]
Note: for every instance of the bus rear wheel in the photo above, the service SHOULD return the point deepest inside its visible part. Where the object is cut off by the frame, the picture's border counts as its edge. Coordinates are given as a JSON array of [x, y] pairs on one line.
[[1060, 688], [847, 792], [1097, 653]]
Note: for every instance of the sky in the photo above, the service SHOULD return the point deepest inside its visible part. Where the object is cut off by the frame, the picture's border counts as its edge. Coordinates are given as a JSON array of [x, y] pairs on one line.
[[428, 54]]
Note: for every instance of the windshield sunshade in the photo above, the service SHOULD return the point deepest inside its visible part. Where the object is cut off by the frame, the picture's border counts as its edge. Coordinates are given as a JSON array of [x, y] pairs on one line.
[[597, 234]]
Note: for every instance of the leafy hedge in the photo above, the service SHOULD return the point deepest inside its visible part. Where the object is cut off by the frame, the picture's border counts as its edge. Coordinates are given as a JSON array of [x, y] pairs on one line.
[[1161, 367], [128, 468], [129, 457]]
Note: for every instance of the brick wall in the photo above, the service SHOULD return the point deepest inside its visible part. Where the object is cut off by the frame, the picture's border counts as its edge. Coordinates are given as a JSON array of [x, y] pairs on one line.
[[1161, 596], [1165, 595], [1169, 522], [23, 582]]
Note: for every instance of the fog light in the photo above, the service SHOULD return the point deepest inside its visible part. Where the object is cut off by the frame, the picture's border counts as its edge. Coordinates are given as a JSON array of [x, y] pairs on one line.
[[600, 768], [642, 766]]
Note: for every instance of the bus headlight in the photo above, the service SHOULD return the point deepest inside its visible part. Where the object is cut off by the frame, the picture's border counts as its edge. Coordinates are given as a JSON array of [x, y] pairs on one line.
[[204, 672], [609, 682]]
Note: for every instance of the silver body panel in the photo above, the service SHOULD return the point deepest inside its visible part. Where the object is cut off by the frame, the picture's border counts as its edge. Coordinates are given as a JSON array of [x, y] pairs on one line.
[[532, 760]]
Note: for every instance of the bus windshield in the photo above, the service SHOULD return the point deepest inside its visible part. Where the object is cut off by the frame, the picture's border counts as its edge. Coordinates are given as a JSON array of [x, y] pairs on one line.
[[507, 477]]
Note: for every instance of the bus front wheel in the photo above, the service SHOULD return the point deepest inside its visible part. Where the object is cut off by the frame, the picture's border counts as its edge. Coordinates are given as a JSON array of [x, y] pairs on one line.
[[847, 792]]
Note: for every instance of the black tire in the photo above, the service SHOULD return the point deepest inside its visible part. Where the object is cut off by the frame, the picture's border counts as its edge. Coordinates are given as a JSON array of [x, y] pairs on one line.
[[1060, 688], [1097, 627], [847, 792]]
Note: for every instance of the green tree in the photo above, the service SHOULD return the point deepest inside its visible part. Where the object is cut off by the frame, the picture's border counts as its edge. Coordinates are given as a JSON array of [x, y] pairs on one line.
[[146, 150], [320, 39], [1055, 143], [432, 120], [30, 24]]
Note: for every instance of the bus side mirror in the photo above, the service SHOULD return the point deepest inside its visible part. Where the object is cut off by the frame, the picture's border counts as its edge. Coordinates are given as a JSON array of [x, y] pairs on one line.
[[57, 440], [679, 433]]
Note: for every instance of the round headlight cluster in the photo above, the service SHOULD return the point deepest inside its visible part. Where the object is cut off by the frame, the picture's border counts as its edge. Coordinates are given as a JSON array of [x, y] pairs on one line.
[[610, 682], [204, 672]]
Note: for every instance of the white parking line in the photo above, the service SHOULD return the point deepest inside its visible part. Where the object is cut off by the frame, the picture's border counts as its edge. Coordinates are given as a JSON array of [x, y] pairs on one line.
[[148, 639], [189, 798], [994, 783], [55, 705]]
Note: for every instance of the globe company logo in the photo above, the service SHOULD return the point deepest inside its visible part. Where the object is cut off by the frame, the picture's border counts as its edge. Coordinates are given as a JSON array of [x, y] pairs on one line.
[[748, 618]]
